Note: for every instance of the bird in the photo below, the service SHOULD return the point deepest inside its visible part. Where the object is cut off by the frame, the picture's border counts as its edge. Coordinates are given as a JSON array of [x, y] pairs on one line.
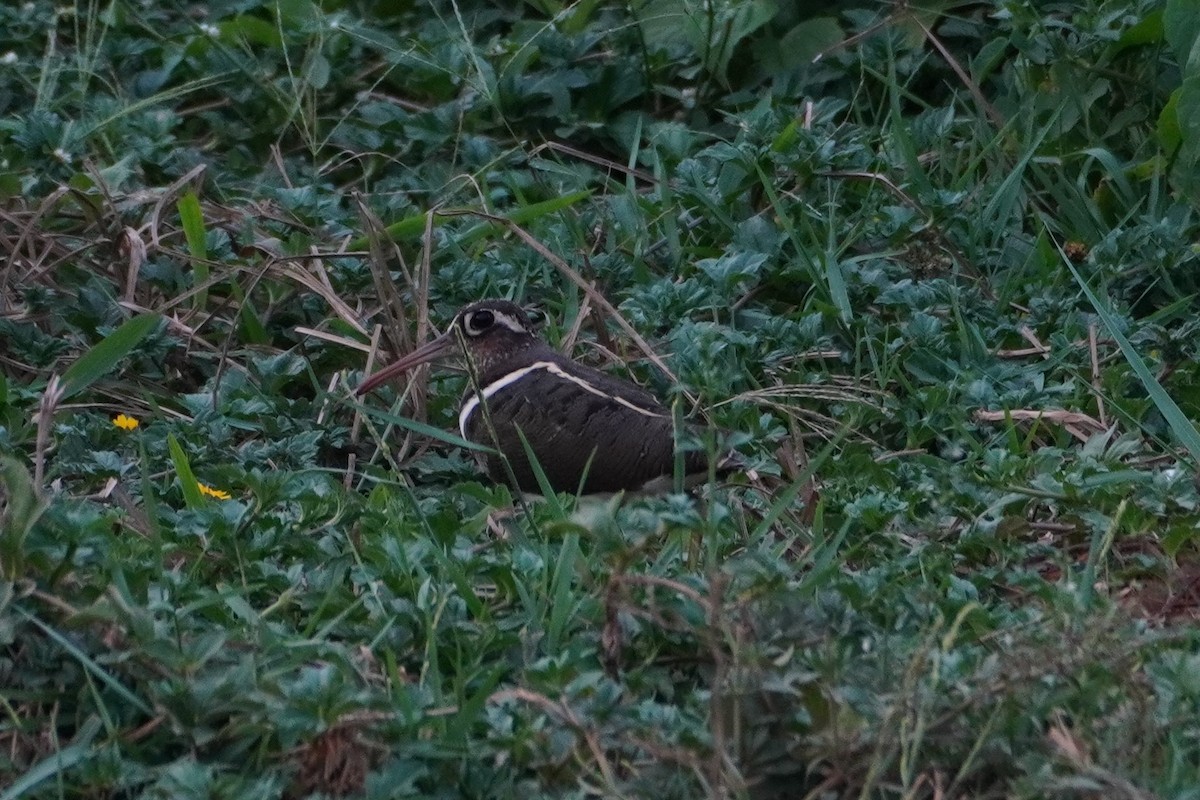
[[590, 432]]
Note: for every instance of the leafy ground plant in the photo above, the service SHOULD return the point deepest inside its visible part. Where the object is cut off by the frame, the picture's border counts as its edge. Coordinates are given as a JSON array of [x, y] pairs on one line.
[[930, 269]]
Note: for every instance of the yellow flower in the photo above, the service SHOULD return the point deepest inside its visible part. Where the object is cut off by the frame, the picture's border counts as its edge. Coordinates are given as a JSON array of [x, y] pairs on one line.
[[211, 492], [124, 422]]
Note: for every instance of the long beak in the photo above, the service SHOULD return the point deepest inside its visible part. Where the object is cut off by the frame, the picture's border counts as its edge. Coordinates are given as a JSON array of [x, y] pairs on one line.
[[438, 348]]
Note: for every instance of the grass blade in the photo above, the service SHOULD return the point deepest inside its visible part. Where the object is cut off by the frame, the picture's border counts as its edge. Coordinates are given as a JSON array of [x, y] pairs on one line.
[[414, 226], [90, 665], [56, 763]]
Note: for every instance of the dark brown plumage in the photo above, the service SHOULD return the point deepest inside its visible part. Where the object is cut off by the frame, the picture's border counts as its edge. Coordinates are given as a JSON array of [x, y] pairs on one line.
[[589, 431]]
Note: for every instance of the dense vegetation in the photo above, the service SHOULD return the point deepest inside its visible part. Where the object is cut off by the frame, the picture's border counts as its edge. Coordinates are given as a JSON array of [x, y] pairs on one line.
[[931, 268]]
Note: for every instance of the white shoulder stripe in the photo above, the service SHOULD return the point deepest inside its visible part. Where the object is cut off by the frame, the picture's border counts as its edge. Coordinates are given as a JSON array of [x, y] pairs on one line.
[[508, 380], [472, 402]]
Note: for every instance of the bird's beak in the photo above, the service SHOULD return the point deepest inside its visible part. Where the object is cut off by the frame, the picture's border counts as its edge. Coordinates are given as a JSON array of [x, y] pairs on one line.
[[440, 347]]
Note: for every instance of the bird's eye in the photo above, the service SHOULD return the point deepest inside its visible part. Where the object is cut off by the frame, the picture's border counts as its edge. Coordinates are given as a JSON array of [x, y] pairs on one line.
[[480, 321]]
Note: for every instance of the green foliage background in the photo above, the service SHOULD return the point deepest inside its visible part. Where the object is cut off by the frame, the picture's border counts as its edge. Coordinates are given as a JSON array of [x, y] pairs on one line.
[[933, 266]]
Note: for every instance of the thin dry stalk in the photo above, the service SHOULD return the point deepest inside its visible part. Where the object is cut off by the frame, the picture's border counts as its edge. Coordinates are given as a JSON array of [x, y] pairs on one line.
[[599, 161], [877, 177], [782, 398], [715, 621], [356, 428], [568, 341], [391, 303], [45, 420], [131, 246], [420, 289], [1093, 353], [317, 281], [1079, 425], [561, 711], [988, 109], [26, 235], [168, 194]]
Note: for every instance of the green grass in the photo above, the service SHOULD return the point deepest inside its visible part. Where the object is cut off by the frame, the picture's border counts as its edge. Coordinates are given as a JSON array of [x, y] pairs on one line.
[[937, 285]]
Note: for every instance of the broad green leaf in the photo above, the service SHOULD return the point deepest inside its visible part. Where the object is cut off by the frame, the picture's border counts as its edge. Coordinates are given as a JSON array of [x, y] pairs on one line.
[[803, 43], [22, 508], [107, 353], [253, 30], [192, 219], [1169, 134], [1181, 24], [1149, 30]]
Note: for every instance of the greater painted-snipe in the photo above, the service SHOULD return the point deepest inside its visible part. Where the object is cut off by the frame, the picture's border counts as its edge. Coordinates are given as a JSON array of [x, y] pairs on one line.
[[590, 432]]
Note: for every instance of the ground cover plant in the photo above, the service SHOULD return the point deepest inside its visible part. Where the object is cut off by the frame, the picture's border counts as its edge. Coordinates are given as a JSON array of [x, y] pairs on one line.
[[931, 268]]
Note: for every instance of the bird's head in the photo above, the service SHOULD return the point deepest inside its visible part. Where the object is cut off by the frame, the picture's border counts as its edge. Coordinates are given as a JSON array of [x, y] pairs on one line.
[[484, 334]]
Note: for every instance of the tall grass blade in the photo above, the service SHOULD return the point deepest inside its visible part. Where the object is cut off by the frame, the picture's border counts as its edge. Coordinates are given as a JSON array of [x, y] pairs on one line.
[[784, 500], [1185, 432], [414, 226], [89, 664], [422, 428], [562, 599]]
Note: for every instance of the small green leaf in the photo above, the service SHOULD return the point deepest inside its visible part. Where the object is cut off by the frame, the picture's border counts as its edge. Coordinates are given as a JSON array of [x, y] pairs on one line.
[[187, 479], [192, 219], [317, 74]]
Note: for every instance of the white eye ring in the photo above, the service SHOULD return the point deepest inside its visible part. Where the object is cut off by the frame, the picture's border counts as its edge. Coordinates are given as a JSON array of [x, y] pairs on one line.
[[480, 321]]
